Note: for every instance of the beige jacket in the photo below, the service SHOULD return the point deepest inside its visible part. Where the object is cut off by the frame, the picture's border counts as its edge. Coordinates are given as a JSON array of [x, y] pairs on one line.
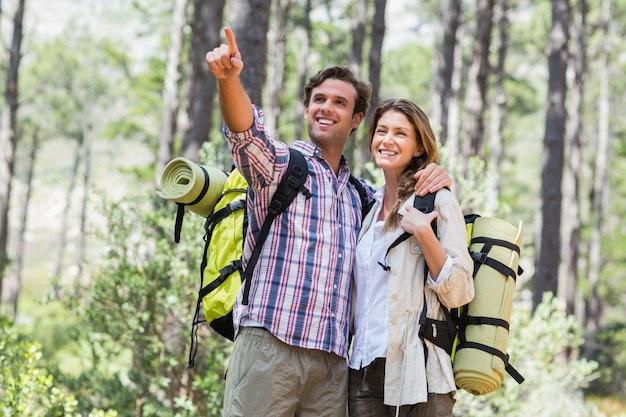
[[408, 378]]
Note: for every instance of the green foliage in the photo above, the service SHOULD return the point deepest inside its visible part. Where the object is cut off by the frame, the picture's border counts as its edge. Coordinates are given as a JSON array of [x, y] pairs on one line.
[[26, 389], [409, 75], [553, 385], [136, 314], [608, 348]]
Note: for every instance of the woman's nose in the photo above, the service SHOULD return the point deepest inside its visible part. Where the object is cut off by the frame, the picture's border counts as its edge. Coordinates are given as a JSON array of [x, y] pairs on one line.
[[387, 138]]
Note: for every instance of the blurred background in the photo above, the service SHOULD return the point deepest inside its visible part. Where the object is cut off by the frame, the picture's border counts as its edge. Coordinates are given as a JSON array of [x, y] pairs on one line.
[[96, 298]]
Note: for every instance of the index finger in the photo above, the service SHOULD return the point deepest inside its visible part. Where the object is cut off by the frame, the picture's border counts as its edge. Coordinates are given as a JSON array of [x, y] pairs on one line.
[[232, 42]]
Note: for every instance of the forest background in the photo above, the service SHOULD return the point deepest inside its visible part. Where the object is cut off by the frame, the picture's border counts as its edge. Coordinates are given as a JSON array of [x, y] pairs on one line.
[[97, 299]]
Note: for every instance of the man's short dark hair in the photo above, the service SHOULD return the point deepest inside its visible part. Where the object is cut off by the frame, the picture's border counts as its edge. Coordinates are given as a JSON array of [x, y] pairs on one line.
[[343, 73]]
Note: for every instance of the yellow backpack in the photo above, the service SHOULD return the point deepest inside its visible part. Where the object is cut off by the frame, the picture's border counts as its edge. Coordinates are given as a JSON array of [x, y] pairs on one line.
[[225, 228]]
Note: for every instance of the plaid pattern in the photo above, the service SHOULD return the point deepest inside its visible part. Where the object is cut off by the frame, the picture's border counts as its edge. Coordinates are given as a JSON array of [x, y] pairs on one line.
[[301, 284]]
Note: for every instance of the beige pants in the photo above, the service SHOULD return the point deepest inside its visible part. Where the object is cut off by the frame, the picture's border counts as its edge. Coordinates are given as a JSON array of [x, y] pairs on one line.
[[268, 378]]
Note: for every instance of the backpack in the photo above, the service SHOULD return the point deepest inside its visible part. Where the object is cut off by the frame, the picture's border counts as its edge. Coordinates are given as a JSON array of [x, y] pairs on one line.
[[476, 334], [221, 273]]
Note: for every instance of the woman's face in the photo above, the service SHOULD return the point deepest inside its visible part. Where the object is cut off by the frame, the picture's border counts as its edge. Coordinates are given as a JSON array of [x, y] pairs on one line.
[[394, 144]]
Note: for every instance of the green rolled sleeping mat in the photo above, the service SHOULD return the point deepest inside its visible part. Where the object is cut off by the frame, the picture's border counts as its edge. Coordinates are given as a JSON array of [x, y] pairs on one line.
[[481, 359]]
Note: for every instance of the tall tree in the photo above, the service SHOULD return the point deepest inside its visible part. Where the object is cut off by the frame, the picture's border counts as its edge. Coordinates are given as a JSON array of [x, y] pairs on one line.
[[376, 50], [358, 34], [593, 306], [61, 242], [9, 135], [497, 107], [171, 80], [453, 124], [303, 60], [249, 20], [571, 187], [445, 68], [375, 64], [549, 242], [475, 97], [19, 256], [206, 22], [277, 54]]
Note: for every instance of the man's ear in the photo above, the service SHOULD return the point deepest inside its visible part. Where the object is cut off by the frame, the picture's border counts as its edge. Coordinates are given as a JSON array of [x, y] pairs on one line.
[[357, 119]]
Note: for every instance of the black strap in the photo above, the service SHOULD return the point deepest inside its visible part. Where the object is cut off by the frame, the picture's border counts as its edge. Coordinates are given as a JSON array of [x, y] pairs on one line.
[[493, 351], [366, 202], [290, 185], [425, 204], [180, 212], [479, 320]]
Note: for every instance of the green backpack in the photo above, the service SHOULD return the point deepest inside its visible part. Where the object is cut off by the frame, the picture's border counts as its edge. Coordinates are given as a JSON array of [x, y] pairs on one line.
[[221, 273], [476, 335]]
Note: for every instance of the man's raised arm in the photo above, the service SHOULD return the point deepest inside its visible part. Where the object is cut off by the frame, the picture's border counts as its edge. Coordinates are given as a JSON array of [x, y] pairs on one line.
[[225, 64]]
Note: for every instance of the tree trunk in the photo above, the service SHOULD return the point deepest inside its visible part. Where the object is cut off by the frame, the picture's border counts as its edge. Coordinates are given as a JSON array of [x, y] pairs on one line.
[[498, 102], [375, 65], [445, 69], [277, 53], [250, 23], [475, 97], [549, 242], [358, 34], [601, 189], [170, 88], [205, 35], [9, 136], [65, 221], [86, 159], [303, 67], [19, 256], [351, 151], [453, 124], [571, 197]]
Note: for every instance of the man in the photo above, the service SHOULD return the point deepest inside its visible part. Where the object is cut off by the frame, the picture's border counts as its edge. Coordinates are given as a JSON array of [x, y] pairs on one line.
[[289, 356]]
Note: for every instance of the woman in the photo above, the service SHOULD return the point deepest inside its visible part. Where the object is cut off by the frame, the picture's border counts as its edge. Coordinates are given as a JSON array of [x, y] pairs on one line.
[[392, 370]]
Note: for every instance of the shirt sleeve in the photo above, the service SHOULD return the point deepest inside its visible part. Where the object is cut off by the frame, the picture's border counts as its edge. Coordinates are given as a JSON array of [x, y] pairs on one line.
[[455, 284], [259, 157]]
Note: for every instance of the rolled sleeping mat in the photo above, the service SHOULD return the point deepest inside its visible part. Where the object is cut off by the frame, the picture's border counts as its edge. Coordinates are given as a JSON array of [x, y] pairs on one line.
[[481, 358], [198, 187]]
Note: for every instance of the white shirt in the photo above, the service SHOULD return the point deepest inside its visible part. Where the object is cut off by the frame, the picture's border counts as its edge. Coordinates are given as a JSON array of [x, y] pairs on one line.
[[372, 291]]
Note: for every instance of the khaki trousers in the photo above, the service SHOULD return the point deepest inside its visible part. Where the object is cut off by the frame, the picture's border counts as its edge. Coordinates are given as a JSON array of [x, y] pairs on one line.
[[268, 378]]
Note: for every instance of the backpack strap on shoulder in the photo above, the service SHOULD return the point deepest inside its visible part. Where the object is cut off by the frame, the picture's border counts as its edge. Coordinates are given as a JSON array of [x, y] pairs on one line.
[[425, 204], [366, 203], [290, 185]]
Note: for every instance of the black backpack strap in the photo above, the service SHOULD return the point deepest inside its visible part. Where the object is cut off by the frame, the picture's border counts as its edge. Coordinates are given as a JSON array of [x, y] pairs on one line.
[[290, 185], [425, 204], [180, 212], [366, 202]]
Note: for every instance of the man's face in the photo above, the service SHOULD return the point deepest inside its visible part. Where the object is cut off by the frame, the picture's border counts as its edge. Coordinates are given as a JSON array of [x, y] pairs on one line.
[[329, 113]]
